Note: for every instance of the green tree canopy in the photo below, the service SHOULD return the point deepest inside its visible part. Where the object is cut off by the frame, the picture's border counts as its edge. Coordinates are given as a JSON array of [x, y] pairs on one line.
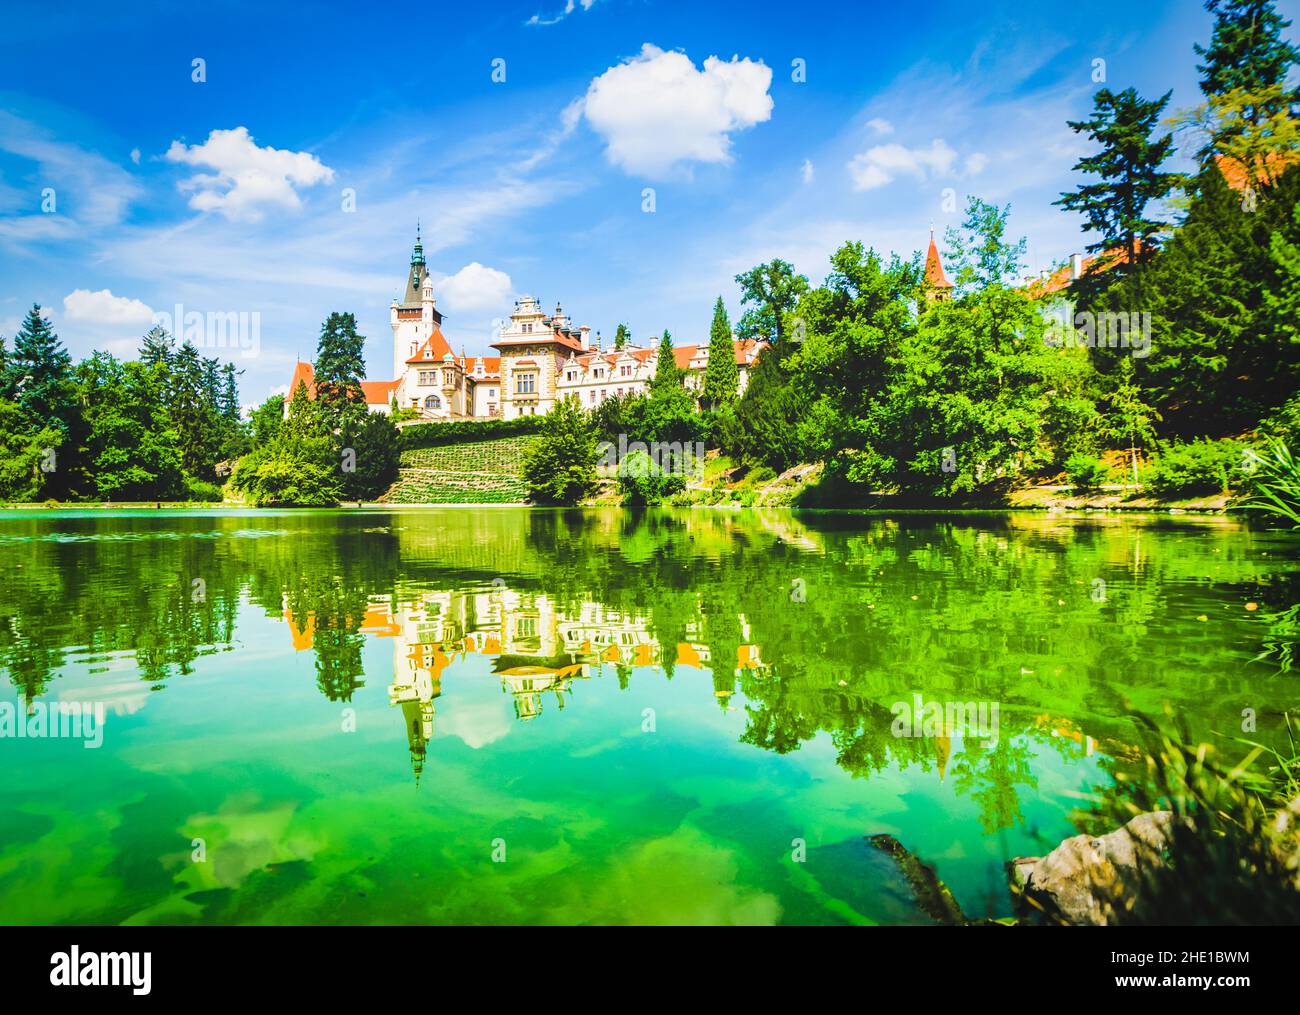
[[560, 468], [770, 291]]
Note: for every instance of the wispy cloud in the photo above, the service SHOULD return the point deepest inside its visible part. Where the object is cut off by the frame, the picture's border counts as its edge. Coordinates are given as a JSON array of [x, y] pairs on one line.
[[542, 20], [66, 190]]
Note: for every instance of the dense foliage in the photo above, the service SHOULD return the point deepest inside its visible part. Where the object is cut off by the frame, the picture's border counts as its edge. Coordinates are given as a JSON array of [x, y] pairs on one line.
[[1181, 334], [561, 467], [159, 428]]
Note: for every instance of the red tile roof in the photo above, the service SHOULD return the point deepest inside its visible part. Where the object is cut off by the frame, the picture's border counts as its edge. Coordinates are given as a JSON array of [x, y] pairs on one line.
[[376, 392], [379, 392], [435, 347], [1063, 277], [491, 364], [743, 349]]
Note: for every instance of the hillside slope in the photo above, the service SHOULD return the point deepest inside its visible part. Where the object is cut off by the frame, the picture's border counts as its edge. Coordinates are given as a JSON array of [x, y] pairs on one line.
[[478, 472]]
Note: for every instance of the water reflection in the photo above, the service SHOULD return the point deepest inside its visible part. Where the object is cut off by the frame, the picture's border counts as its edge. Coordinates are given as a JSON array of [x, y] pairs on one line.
[[995, 609]]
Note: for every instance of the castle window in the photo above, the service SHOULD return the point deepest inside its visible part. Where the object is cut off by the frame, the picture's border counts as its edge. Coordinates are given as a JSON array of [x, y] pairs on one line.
[[525, 384], [428, 377], [433, 402]]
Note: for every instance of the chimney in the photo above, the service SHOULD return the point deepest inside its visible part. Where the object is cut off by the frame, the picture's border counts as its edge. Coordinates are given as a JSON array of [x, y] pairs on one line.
[[586, 336], [1076, 267]]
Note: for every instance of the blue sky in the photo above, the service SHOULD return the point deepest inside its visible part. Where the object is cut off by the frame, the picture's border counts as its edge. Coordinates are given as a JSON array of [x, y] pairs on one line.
[[229, 194]]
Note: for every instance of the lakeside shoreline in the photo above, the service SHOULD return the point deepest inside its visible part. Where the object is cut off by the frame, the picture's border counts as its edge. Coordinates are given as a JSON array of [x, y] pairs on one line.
[[1073, 506]]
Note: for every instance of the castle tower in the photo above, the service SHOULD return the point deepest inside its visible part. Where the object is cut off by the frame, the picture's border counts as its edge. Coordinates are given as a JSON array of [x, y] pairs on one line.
[[415, 315], [937, 288]]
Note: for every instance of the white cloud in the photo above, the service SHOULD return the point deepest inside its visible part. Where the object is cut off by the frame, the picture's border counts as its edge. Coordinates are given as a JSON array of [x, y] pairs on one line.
[[540, 20], [806, 171], [880, 126], [135, 155], [657, 110], [475, 287], [882, 164], [976, 163], [247, 178], [104, 308]]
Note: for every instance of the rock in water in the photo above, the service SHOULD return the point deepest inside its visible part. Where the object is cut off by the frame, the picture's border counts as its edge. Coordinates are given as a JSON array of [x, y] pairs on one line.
[[1089, 880]]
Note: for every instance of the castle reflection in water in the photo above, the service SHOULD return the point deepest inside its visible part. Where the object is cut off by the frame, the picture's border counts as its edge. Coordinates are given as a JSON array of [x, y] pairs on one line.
[[534, 648]]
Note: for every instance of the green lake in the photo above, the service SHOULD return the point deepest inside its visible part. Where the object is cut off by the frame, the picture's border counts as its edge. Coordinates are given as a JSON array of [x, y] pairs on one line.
[[502, 715]]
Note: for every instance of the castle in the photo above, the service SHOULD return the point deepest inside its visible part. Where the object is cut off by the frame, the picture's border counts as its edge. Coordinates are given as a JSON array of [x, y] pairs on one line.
[[542, 360]]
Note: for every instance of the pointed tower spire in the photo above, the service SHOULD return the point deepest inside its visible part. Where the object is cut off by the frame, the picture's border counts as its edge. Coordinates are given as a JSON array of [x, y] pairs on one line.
[[417, 255], [937, 286]]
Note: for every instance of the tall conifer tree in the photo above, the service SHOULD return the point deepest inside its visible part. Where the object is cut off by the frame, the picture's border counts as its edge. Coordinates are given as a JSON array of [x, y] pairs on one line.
[[721, 376]]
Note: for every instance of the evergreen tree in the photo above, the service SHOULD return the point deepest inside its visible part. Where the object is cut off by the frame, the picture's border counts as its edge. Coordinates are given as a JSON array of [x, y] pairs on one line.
[[721, 375], [1246, 49], [41, 375], [1221, 356], [621, 337], [1245, 75], [667, 374], [234, 434], [157, 347], [192, 410], [340, 367], [1128, 167], [1131, 420]]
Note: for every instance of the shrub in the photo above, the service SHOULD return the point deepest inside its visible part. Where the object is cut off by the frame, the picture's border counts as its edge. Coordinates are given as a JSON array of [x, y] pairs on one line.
[[201, 490], [1283, 423], [1196, 468], [1085, 471], [642, 481]]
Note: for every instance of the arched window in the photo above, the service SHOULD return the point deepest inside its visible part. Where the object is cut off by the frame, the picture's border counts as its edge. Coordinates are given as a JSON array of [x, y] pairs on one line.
[[433, 402]]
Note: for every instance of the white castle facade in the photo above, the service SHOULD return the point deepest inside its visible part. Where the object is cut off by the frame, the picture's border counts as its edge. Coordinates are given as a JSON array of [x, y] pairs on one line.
[[542, 359]]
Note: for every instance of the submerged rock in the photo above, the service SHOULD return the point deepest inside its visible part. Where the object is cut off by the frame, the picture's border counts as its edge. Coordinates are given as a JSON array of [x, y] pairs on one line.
[[1090, 880]]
